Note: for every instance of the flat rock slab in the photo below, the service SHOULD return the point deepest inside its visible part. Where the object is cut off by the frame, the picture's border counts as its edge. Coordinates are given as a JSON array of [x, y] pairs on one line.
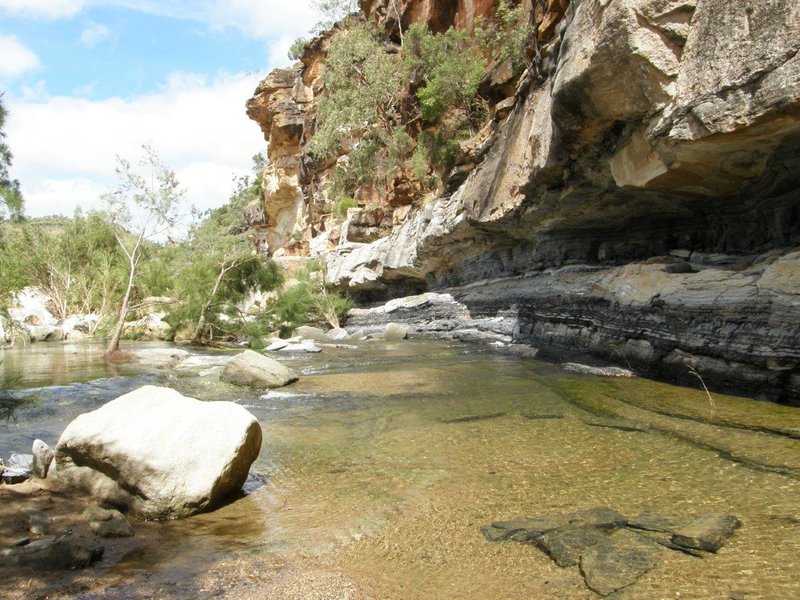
[[256, 370], [708, 532], [617, 561], [614, 551], [158, 453]]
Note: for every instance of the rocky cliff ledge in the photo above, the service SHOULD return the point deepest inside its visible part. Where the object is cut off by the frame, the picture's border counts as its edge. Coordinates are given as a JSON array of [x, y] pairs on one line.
[[635, 197]]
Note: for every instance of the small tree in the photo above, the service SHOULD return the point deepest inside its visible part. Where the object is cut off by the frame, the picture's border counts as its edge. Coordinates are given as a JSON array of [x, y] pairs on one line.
[[155, 195], [10, 195], [222, 267], [333, 11]]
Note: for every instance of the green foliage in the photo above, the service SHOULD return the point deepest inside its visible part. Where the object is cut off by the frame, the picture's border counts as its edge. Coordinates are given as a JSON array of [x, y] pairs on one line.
[[362, 83], [76, 263], [342, 206], [298, 48], [447, 66], [310, 301], [506, 37], [10, 194]]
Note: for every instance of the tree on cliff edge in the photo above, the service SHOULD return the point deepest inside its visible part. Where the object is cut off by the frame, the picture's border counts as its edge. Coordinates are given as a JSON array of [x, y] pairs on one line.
[[10, 195], [153, 191]]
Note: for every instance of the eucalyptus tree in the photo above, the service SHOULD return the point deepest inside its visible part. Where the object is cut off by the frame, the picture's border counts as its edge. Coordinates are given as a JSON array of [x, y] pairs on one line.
[[152, 190]]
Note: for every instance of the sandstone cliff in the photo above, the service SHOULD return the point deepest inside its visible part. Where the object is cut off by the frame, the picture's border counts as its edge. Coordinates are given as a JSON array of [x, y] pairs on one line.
[[635, 197]]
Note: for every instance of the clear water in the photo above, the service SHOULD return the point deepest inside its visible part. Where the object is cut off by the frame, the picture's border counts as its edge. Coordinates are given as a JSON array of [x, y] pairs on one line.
[[382, 463]]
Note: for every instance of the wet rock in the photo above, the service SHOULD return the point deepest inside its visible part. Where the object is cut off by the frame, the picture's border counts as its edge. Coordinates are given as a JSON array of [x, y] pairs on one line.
[[599, 371], [256, 370], [161, 357], [158, 453], [312, 333], [708, 532], [52, 553], [617, 562], [277, 345], [42, 458], [603, 518], [108, 523], [357, 336], [338, 334], [395, 332]]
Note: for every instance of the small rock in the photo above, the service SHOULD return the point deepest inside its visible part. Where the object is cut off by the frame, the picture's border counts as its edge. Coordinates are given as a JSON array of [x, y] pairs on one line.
[[708, 532], [617, 562], [357, 336], [338, 334], [599, 371], [256, 370], [312, 333], [113, 524], [15, 476], [277, 345], [52, 553], [20, 461], [97, 513], [42, 458], [395, 332], [308, 347]]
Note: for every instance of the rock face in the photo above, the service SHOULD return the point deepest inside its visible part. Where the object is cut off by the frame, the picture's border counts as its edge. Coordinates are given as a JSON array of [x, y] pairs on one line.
[[158, 453], [256, 370], [638, 197]]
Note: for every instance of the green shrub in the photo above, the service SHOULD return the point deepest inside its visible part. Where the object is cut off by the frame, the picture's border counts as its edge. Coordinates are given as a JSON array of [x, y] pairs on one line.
[[342, 206], [298, 48]]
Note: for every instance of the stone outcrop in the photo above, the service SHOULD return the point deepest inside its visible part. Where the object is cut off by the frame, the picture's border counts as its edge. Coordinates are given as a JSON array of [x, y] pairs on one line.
[[634, 200], [159, 454]]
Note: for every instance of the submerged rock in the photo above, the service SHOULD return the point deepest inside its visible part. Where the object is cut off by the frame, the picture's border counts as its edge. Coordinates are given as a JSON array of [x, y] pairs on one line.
[[395, 332], [617, 561], [708, 532], [612, 550], [256, 370], [159, 453]]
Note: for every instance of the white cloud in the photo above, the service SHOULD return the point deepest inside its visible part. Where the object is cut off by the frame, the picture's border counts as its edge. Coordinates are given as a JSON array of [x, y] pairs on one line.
[[93, 34], [46, 9], [65, 148], [15, 59]]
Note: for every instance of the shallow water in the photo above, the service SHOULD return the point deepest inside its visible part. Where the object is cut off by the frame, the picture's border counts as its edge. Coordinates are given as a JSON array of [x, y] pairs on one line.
[[382, 463]]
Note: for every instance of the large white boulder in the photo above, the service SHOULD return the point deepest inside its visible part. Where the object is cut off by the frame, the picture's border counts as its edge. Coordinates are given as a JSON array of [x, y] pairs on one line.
[[256, 370], [158, 453]]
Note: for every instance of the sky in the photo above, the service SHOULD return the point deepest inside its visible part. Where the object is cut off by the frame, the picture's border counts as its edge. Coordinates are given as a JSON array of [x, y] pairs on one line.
[[86, 81]]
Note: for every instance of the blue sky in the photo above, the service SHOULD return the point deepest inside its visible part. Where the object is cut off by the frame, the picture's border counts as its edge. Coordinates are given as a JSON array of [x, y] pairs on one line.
[[86, 80]]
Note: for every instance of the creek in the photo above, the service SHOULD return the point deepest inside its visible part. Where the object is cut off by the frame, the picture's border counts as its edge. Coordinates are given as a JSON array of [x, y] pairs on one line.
[[381, 465]]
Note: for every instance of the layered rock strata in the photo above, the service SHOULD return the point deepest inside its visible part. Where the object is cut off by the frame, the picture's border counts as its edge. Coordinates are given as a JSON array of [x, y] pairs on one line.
[[637, 199]]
